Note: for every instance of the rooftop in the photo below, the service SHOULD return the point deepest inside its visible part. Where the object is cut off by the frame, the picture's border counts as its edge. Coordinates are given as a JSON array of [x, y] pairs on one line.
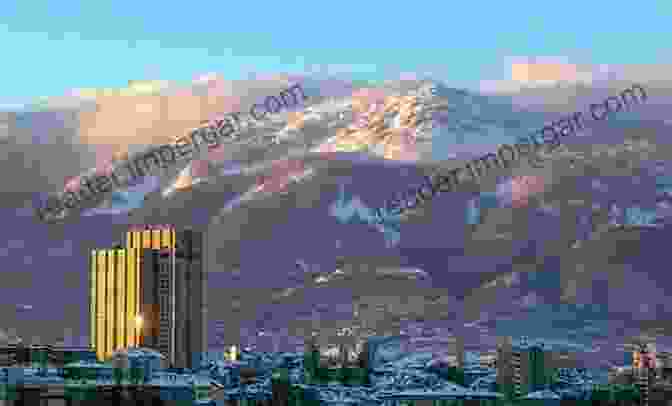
[[543, 394], [456, 392]]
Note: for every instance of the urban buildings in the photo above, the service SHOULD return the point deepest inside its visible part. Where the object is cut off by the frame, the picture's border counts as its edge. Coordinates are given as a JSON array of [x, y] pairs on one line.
[[664, 364], [150, 293], [524, 367], [381, 349], [318, 369], [488, 359], [621, 375], [643, 362], [31, 355]]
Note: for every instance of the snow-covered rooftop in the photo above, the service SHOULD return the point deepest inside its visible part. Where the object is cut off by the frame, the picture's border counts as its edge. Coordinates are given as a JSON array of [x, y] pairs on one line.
[[88, 364], [444, 393], [138, 351], [542, 394]]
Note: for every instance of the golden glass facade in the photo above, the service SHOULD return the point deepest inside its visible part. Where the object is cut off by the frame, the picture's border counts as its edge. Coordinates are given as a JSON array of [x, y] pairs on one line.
[[115, 287], [110, 271], [168, 238], [147, 239], [132, 269], [93, 313], [100, 305], [114, 304], [154, 238], [121, 294]]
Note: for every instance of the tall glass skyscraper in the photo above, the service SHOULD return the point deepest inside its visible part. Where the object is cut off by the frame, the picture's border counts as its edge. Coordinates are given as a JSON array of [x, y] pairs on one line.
[[537, 378], [173, 300], [151, 293]]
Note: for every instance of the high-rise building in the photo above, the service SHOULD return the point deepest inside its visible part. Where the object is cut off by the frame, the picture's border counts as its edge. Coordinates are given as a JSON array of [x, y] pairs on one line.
[[113, 300], [459, 351], [505, 370], [280, 387], [311, 359], [643, 380], [523, 367], [151, 293], [643, 365], [664, 364], [538, 365], [172, 300]]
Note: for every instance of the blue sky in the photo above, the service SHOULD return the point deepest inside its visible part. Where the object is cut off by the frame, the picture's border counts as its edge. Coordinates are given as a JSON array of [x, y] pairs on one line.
[[51, 46]]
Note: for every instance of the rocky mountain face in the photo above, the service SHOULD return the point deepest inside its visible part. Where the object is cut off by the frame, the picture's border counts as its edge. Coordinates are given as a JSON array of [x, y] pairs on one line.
[[573, 203], [560, 258]]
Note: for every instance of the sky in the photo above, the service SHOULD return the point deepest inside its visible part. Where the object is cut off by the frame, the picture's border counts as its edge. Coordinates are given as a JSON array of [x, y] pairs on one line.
[[50, 47]]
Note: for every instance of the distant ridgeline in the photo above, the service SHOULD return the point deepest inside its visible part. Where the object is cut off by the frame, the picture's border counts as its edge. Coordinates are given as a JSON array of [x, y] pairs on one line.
[[352, 209], [630, 216], [634, 216], [349, 210], [638, 216]]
